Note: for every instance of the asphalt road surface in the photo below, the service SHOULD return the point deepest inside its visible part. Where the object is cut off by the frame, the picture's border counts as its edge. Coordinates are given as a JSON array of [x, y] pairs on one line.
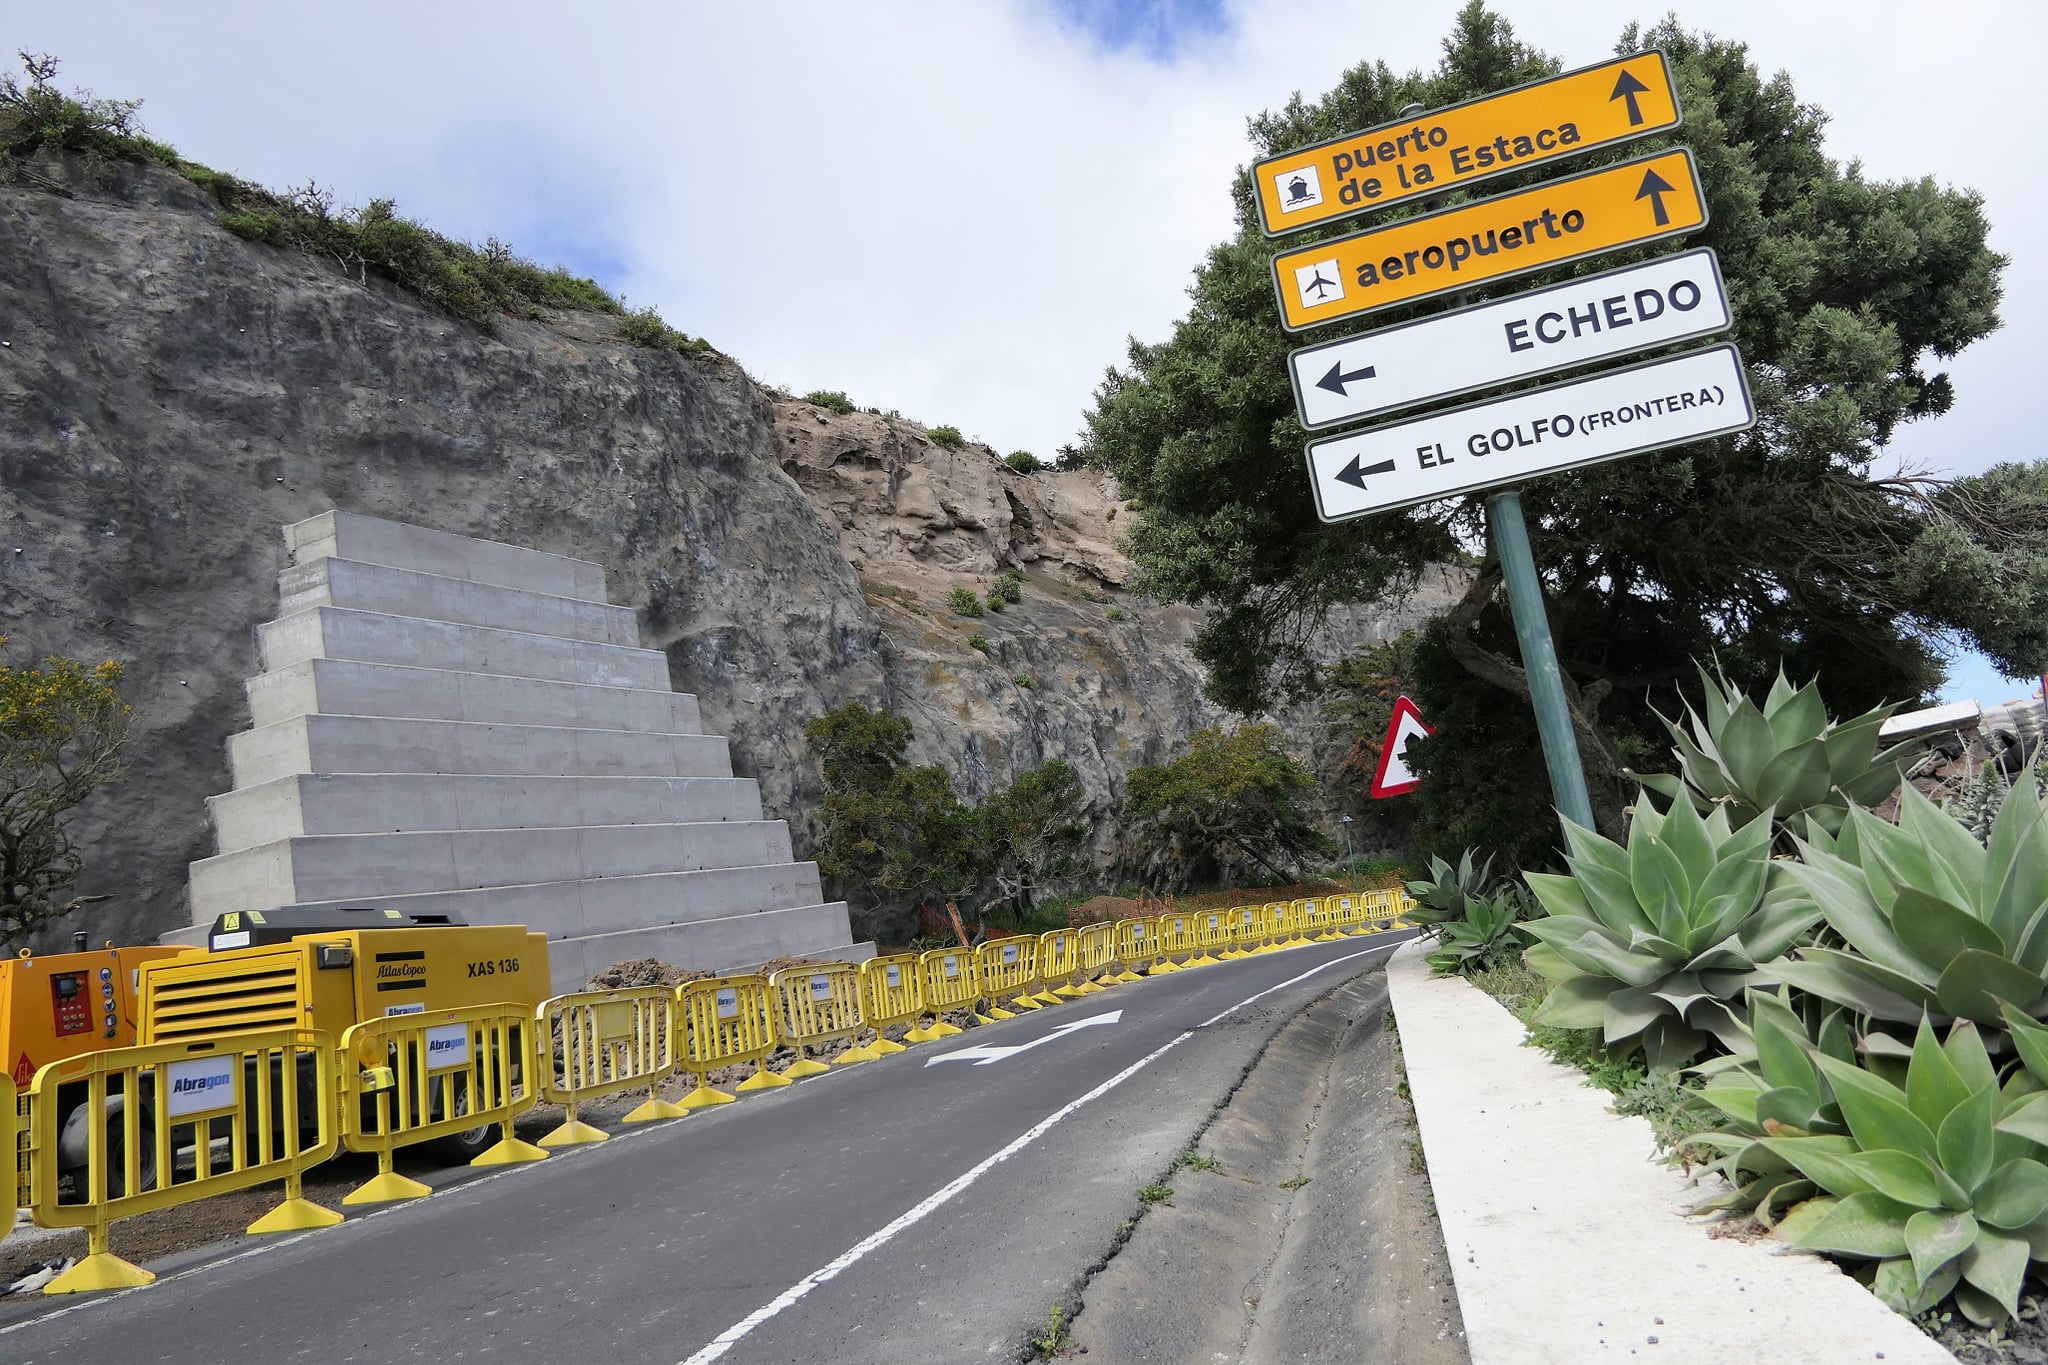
[[907, 1211]]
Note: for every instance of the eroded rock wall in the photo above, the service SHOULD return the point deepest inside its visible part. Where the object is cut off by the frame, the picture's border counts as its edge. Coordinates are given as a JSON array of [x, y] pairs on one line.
[[172, 395]]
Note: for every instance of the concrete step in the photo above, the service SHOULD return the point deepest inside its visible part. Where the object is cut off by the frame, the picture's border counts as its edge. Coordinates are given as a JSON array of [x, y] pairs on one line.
[[345, 687], [384, 803], [345, 535], [378, 638], [729, 943], [735, 943], [606, 905], [367, 867], [385, 744], [357, 586]]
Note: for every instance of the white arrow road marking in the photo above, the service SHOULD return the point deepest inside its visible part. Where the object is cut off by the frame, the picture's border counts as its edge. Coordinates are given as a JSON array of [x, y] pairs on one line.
[[982, 1056]]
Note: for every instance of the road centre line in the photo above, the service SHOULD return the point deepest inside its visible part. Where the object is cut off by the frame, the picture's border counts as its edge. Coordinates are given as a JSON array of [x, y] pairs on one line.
[[733, 1335]]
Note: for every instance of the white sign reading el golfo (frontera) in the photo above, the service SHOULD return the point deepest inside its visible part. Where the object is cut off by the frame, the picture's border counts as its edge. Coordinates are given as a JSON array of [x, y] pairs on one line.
[[1623, 412], [1620, 312]]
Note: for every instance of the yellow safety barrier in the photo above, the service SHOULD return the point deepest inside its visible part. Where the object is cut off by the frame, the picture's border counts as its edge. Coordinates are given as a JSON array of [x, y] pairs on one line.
[[1212, 937], [1245, 931], [1342, 916], [818, 1005], [889, 995], [607, 1042], [412, 1078], [1176, 935], [1098, 948], [1137, 944], [249, 1108], [725, 1021], [14, 1132], [1316, 922], [1272, 926], [950, 982], [1007, 966], [1298, 922], [1059, 957]]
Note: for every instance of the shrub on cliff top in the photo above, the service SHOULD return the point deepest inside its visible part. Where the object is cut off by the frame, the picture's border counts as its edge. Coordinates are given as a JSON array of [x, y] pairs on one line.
[[1023, 461], [963, 602], [949, 437], [830, 398]]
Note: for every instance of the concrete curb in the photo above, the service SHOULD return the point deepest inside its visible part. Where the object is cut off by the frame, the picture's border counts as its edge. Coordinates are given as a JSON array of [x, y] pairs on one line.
[[1566, 1238]]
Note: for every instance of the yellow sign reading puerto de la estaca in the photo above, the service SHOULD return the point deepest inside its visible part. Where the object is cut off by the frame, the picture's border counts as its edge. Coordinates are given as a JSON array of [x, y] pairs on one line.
[[1512, 234], [1450, 148]]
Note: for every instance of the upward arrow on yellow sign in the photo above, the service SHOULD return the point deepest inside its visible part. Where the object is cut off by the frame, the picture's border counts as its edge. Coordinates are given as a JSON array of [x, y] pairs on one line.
[[1450, 148], [1512, 234]]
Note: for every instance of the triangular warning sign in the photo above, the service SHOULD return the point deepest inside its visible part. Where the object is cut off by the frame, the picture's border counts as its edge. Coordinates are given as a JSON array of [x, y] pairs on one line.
[[24, 1072], [1394, 777]]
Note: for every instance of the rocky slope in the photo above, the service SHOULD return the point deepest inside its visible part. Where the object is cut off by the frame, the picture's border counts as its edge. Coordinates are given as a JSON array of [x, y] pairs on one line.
[[171, 395]]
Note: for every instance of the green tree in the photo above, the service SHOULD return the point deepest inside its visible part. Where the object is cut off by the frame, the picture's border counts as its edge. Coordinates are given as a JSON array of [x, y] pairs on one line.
[[62, 728], [1231, 804], [889, 829], [1034, 833], [1772, 545]]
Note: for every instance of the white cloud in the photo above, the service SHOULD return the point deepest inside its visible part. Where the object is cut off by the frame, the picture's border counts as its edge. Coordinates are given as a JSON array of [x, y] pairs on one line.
[[958, 211]]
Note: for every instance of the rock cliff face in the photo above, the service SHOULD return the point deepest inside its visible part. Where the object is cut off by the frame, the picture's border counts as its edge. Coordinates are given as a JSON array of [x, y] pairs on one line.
[[171, 396]]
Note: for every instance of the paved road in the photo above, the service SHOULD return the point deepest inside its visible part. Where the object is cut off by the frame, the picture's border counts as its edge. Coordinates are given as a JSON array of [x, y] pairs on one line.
[[910, 1211]]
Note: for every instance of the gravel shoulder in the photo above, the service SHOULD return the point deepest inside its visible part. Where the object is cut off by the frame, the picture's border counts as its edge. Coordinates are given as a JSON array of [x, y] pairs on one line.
[[1312, 1236]]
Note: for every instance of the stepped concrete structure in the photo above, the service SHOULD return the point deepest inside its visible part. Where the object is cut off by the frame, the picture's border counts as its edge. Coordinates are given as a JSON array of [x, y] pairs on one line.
[[453, 725]]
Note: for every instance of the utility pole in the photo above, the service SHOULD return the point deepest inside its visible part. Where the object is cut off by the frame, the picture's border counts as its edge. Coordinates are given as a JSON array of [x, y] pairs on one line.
[[1349, 856]]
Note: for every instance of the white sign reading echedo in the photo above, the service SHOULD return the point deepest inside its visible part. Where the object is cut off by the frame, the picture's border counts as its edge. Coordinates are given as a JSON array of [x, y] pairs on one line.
[[201, 1085], [447, 1045], [1619, 312], [1622, 412]]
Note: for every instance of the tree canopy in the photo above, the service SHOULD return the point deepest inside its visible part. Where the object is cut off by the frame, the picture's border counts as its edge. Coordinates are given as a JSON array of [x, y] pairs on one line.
[[1777, 544], [62, 727], [1233, 804]]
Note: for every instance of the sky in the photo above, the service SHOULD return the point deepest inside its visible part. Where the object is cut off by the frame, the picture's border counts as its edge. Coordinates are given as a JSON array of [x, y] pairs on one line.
[[960, 209]]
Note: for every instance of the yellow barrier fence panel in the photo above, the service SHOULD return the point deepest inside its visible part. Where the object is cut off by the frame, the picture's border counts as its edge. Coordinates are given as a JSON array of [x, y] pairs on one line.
[[950, 982], [1008, 967], [1137, 943], [1212, 936], [1341, 914], [817, 1005], [725, 1021], [412, 1078], [14, 1132], [590, 1044], [890, 994], [1176, 939], [1098, 949], [174, 1123], [1318, 923], [1298, 922], [1244, 931], [1272, 926], [1059, 957]]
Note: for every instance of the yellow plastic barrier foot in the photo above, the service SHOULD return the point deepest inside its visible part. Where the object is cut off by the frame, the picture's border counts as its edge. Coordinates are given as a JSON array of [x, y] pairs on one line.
[[1127, 975], [100, 1271], [295, 1214], [764, 1079], [853, 1056], [652, 1109], [702, 1097], [919, 1035], [988, 1019], [1162, 965], [1049, 998], [1070, 992], [804, 1066], [941, 1029], [386, 1188], [882, 1047], [1025, 1002], [510, 1151], [574, 1131], [996, 1012]]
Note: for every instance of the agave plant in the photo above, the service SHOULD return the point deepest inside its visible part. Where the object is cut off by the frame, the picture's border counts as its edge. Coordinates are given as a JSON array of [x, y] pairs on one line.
[[1932, 1182], [1933, 921], [1490, 929], [1447, 893], [1770, 1088], [1651, 943], [1787, 758]]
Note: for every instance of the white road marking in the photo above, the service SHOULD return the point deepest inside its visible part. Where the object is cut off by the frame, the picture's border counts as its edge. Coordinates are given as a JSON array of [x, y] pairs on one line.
[[982, 1056], [733, 1335]]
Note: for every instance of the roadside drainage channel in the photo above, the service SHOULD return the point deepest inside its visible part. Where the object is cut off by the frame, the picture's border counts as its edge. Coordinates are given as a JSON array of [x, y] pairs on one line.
[[1568, 1239]]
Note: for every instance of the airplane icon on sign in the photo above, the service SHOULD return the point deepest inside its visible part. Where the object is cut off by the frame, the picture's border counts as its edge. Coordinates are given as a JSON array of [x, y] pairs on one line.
[[1319, 286]]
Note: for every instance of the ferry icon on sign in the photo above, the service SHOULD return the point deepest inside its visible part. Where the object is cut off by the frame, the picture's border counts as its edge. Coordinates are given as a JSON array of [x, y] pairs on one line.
[[1299, 189]]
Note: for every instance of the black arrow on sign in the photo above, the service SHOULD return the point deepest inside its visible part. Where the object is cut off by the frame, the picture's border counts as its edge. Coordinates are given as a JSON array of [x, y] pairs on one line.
[[1627, 88], [1336, 379], [1654, 189], [1355, 476]]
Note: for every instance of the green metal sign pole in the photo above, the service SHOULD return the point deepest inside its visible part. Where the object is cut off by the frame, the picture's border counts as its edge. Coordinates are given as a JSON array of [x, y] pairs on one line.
[[1539, 656]]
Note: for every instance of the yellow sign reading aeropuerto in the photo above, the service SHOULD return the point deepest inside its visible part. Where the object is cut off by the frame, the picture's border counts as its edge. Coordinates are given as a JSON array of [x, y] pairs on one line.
[[1511, 234], [1450, 148]]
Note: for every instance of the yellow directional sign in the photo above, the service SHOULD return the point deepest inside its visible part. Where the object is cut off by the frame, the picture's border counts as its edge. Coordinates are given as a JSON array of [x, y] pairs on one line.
[[1511, 234], [1450, 148]]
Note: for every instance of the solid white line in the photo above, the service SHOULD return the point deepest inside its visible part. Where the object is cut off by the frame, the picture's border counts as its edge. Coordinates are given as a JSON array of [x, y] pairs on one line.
[[733, 1335]]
